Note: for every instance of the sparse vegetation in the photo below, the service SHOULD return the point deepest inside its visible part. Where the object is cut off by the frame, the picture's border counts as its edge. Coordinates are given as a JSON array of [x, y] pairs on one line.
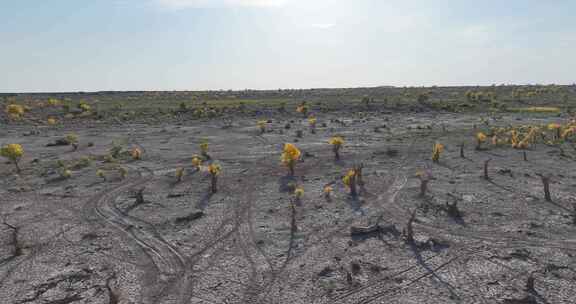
[[262, 126], [312, 123], [302, 109], [480, 139], [100, 173], [65, 173], [327, 191], [290, 156], [337, 142], [247, 214], [437, 150], [214, 169], [136, 154], [72, 139], [15, 111], [14, 153], [298, 194], [179, 174], [51, 121], [350, 180], [204, 149]]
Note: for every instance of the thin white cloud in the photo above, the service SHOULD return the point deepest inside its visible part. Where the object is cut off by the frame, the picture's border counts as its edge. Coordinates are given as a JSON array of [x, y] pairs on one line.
[[478, 33], [180, 4], [323, 26]]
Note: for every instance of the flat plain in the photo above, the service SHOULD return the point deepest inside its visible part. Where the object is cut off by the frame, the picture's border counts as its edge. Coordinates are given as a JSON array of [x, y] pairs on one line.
[[109, 208]]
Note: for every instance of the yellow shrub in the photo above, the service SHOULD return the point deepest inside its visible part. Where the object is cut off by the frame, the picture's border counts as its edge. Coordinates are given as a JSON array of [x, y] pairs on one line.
[[336, 141], [214, 169], [72, 138], [437, 150], [15, 110], [53, 102], [136, 154], [204, 147], [262, 125], [481, 137], [179, 173], [84, 107], [568, 132], [299, 192], [13, 152], [100, 174], [312, 121], [290, 156], [196, 162], [66, 173], [349, 177]]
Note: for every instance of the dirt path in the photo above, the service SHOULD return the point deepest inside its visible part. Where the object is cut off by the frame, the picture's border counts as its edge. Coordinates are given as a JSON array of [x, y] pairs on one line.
[[169, 264]]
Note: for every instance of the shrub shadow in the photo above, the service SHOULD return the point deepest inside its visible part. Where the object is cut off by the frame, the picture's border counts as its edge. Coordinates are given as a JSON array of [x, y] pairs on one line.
[[287, 183]]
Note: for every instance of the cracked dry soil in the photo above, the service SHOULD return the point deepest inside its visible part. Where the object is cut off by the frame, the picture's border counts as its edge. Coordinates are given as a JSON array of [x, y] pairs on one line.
[[85, 240]]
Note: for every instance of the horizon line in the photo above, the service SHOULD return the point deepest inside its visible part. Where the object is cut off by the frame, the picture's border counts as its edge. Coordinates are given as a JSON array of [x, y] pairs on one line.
[[287, 89]]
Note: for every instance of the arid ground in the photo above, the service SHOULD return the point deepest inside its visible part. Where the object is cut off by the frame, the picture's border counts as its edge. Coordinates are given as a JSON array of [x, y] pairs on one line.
[[148, 238]]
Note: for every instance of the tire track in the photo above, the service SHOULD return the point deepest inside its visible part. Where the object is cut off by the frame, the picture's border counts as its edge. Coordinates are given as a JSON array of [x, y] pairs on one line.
[[493, 238], [168, 262]]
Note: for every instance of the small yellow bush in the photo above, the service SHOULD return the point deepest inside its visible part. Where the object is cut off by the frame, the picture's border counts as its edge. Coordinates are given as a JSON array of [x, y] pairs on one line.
[[196, 162], [290, 156], [14, 153], [262, 125], [299, 192], [15, 111], [312, 121], [214, 169], [136, 154], [179, 174], [100, 174], [437, 150], [66, 173], [480, 139]]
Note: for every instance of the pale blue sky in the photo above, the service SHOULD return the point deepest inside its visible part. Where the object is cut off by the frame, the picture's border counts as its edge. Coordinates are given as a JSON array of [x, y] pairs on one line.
[[74, 45]]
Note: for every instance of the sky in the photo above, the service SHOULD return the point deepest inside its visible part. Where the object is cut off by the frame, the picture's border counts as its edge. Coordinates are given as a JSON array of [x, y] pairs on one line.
[[77, 45]]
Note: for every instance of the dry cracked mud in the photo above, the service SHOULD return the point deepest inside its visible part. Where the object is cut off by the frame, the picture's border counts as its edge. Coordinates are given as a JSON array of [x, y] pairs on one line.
[[88, 240]]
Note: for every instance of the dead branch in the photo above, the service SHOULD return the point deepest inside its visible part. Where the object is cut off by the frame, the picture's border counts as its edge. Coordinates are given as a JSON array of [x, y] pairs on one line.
[[486, 163], [546, 183], [408, 232]]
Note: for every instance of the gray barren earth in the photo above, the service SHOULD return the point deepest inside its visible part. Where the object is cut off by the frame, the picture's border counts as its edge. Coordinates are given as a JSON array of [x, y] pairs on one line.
[[148, 238]]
